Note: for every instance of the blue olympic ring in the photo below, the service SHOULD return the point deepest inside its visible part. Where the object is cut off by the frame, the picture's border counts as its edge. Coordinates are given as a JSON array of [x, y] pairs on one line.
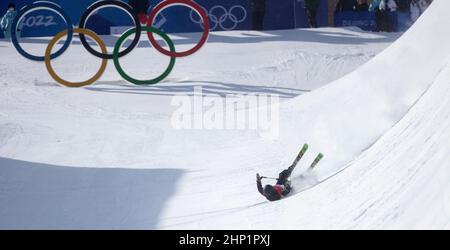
[[38, 6]]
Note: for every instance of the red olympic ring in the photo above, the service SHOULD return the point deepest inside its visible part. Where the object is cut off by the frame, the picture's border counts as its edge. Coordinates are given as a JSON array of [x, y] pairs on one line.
[[188, 3]]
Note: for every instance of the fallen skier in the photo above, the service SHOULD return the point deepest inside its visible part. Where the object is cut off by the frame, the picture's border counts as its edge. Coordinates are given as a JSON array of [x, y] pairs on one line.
[[280, 189], [283, 185]]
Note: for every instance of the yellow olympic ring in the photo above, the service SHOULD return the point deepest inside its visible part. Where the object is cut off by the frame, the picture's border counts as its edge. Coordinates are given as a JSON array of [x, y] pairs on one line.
[[53, 74]]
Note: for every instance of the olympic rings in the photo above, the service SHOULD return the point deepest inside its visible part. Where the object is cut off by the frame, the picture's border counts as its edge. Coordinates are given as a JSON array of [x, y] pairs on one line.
[[53, 74], [103, 4], [143, 82], [219, 20], [37, 6], [137, 30], [188, 3]]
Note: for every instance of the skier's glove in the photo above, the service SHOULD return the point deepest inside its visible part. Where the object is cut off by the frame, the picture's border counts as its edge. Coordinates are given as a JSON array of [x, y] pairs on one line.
[[258, 178]]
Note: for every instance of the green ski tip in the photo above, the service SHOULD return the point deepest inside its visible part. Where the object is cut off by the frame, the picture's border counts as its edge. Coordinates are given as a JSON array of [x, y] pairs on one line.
[[316, 161]]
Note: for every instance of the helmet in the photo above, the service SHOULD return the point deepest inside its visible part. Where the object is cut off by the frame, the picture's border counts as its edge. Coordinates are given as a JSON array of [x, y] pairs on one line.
[[270, 193]]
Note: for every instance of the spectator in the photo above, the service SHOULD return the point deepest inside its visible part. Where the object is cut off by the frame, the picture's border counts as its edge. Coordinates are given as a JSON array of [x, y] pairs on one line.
[[385, 12], [391, 5], [375, 8], [384, 15], [403, 14], [140, 8], [391, 8], [403, 5], [415, 10], [362, 5], [259, 11], [417, 7], [7, 19], [311, 7], [424, 5], [346, 5], [388, 10]]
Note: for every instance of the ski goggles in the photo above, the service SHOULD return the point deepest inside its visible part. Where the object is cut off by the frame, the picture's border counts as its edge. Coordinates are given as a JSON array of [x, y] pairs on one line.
[[103, 54]]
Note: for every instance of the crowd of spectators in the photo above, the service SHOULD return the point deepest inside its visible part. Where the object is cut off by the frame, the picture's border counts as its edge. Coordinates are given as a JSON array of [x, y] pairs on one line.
[[386, 10]]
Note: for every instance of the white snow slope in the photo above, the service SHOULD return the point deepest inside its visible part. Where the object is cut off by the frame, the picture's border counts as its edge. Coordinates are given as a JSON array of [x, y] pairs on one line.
[[107, 157]]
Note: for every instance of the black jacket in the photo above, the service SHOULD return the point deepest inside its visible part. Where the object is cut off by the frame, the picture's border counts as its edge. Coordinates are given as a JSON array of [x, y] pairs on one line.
[[312, 5], [362, 7], [258, 5], [346, 5], [272, 195], [403, 5], [139, 6]]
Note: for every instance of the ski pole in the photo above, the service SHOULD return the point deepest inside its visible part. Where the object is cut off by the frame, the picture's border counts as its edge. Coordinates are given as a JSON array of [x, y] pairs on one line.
[[264, 177]]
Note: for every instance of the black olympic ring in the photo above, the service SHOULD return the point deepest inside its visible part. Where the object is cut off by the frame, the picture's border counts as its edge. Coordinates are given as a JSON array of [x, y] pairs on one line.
[[103, 4]]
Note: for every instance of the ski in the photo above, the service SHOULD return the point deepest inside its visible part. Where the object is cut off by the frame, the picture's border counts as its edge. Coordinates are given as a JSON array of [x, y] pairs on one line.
[[300, 155], [316, 161]]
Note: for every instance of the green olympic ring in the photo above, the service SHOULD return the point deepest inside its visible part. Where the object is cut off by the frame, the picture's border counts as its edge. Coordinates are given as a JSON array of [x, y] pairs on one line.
[[130, 79]]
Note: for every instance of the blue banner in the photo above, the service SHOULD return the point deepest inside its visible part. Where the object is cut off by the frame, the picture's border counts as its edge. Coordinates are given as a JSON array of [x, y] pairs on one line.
[[223, 15], [362, 19], [365, 20]]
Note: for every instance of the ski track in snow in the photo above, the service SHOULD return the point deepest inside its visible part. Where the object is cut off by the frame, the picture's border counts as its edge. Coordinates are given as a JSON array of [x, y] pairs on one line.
[[106, 156]]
